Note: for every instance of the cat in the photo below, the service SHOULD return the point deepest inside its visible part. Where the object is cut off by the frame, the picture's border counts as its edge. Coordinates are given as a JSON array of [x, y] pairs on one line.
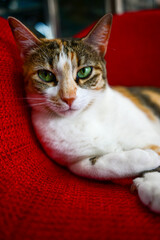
[[95, 130]]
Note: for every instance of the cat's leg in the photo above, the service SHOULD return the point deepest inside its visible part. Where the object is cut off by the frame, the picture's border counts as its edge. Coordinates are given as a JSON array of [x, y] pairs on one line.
[[117, 165], [148, 187]]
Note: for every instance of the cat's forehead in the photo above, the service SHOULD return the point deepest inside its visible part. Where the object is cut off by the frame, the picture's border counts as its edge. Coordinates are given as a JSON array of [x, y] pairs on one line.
[[68, 45], [61, 50]]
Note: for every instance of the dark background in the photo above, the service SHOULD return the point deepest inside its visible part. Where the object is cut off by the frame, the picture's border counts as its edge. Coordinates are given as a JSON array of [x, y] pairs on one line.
[[67, 17]]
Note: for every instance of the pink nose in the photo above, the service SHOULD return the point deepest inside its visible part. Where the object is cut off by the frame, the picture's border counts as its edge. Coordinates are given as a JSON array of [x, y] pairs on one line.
[[69, 101]]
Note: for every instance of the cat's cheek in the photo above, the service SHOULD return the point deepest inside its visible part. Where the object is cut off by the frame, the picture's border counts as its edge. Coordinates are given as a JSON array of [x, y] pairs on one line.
[[84, 99], [53, 101], [51, 92]]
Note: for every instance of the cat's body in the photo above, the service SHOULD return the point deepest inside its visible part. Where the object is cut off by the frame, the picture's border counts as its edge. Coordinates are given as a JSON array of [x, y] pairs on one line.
[[95, 130]]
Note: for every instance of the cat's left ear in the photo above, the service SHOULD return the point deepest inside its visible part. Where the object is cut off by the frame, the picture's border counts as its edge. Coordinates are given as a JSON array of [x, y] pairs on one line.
[[24, 38], [98, 37]]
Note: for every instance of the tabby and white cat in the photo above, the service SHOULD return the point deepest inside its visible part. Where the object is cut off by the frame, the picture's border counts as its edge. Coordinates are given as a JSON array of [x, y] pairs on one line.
[[96, 131]]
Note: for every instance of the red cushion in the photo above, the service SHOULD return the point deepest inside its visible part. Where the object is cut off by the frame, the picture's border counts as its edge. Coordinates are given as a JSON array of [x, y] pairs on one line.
[[39, 199]]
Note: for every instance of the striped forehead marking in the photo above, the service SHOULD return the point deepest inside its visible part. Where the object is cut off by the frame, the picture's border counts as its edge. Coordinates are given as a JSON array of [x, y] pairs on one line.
[[63, 58], [64, 65]]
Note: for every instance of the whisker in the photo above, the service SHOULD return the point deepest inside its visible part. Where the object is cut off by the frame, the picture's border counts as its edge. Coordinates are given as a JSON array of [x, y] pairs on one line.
[[31, 98], [36, 104], [36, 99]]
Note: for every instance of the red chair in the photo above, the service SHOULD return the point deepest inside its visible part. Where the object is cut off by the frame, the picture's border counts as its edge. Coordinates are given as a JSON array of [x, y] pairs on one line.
[[41, 200]]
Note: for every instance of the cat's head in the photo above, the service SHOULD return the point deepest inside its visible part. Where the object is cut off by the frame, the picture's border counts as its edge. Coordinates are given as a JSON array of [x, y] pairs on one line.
[[63, 76]]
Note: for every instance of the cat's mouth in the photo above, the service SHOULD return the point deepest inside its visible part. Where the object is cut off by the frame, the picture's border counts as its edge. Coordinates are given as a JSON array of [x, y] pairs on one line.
[[68, 112]]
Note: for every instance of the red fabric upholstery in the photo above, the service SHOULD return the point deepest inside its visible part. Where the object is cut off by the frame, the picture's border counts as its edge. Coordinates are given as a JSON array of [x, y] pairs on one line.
[[39, 199]]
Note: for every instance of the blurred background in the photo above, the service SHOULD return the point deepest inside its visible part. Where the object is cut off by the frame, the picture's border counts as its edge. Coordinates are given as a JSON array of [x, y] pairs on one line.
[[64, 18]]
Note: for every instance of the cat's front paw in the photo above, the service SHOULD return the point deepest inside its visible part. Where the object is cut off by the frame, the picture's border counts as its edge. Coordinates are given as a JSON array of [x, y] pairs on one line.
[[148, 188]]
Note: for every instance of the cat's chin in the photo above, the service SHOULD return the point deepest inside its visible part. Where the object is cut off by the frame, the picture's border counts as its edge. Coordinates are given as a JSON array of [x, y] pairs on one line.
[[68, 113]]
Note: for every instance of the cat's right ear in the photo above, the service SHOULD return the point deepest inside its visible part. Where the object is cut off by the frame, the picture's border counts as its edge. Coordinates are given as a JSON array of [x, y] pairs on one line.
[[24, 38]]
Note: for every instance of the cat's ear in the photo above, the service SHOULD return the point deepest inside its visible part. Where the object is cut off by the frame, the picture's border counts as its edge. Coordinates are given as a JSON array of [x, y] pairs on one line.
[[99, 35], [24, 38]]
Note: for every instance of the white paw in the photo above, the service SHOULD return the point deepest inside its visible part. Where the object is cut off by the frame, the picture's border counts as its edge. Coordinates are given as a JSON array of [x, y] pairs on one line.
[[149, 190]]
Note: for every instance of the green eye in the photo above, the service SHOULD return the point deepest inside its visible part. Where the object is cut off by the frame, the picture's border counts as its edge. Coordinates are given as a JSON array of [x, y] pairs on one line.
[[47, 76], [84, 72]]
